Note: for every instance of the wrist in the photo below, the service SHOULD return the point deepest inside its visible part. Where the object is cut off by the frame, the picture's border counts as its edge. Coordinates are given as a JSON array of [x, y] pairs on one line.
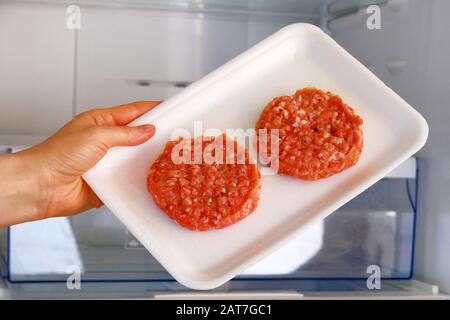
[[20, 192]]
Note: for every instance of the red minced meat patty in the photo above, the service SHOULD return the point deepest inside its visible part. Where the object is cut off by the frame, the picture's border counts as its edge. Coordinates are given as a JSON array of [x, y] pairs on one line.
[[319, 134], [204, 196]]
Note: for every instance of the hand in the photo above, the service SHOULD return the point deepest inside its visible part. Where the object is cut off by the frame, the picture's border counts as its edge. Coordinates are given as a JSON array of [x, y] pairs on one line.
[[47, 177]]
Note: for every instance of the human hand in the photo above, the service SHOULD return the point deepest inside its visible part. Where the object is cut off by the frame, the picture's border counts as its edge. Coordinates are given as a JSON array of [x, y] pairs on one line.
[[49, 174]]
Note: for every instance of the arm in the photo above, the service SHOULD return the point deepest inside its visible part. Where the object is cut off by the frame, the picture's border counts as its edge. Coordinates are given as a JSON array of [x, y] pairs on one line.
[[45, 180]]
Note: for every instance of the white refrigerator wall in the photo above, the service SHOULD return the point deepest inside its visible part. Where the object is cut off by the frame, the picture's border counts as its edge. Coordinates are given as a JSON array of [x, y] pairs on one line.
[[36, 68], [412, 55], [119, 50], [50, 73]]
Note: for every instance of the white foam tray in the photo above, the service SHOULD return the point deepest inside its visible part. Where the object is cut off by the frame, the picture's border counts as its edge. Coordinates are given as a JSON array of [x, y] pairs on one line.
[[232, 97]]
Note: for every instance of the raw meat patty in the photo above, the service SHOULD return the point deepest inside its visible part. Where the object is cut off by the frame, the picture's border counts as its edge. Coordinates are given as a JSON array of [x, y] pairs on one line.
[[202, 196], [319, 135]]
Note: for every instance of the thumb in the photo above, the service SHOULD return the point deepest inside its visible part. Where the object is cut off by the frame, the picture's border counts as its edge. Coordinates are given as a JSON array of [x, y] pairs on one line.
[[114, 136]]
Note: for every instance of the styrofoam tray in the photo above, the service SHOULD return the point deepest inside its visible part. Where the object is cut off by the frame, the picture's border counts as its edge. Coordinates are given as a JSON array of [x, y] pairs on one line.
[[233, 96]]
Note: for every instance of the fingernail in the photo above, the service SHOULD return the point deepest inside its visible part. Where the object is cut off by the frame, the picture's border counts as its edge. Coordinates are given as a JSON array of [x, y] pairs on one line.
[[146, 128]]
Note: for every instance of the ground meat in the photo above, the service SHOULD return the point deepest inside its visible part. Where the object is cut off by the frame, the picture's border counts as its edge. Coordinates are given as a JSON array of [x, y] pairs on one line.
[[206, 195], [319, 135]]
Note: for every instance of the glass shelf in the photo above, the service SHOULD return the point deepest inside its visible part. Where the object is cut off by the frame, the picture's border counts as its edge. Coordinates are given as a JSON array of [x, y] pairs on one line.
[[287, 8], [328, 9]]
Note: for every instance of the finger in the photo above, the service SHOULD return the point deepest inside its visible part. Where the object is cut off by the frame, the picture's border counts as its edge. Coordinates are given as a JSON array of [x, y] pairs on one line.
[[126, 113], [120, 115], [114, 136]]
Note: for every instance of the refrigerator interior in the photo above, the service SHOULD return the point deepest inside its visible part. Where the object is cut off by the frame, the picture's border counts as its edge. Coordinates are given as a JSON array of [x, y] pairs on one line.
[[130, 50]]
